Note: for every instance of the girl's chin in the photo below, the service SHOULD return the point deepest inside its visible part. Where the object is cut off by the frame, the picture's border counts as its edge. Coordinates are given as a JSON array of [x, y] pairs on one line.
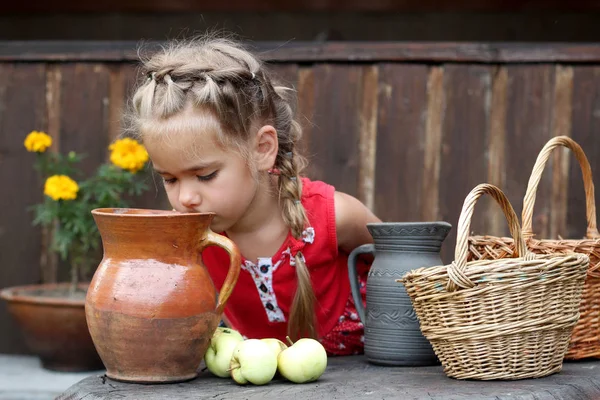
[[217, 227]]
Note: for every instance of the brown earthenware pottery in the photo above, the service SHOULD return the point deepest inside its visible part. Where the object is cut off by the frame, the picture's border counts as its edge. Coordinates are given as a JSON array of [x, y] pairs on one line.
[[151, 306], [54, 325]]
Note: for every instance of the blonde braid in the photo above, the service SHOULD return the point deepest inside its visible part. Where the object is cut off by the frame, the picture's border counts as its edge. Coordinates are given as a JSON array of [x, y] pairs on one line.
[[302, 320], [173, 98], [143, 99]]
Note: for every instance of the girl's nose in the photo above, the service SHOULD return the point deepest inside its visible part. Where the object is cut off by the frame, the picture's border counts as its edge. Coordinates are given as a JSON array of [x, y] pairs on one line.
[[188, 197]]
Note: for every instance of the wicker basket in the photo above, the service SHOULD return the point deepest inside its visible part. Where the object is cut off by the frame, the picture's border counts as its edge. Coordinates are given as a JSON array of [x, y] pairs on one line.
[[585, 340], [498, 319]]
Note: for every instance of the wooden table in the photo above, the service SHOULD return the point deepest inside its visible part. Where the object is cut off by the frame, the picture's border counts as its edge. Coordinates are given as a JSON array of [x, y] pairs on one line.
[[354, 378]]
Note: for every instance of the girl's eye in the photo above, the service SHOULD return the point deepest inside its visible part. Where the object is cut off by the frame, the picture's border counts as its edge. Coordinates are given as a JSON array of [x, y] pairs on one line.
[[208, 177], [169, 181]]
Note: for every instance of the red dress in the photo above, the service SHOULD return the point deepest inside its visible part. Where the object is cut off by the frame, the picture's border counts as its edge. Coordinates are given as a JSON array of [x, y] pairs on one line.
[[260, 303]]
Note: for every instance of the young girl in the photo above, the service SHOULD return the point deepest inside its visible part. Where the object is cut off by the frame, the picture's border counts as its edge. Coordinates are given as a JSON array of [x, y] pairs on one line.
[[224, 140]]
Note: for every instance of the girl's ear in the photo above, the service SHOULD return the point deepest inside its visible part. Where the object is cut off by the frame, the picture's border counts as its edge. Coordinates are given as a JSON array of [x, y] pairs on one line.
[[266, 148]]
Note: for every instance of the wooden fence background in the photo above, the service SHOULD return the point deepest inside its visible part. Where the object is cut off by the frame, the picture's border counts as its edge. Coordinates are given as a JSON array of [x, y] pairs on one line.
[[408, 128]]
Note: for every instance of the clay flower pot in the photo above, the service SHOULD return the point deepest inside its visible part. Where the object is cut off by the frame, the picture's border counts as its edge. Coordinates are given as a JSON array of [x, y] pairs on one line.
[[54, 326]]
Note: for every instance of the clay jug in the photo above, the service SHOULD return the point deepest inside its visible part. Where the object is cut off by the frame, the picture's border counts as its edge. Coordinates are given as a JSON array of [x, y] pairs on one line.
[[151, 307], [392, 333]]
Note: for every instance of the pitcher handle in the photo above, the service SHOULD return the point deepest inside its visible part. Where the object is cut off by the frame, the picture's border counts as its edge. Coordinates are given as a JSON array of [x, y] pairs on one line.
[[365, 248], [214, 239]]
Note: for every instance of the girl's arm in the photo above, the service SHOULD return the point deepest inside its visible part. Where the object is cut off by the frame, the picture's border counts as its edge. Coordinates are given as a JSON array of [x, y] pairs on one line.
[[351, 218]]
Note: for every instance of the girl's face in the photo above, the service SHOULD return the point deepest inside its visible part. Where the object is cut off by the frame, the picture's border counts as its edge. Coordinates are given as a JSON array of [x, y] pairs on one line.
[[200, 175]]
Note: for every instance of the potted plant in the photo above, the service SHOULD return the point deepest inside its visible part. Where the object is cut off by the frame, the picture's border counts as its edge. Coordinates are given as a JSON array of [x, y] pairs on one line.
[[52, 315]]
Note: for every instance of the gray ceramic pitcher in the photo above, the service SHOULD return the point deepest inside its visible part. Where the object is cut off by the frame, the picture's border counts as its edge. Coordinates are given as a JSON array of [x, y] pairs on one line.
[[392, 333]]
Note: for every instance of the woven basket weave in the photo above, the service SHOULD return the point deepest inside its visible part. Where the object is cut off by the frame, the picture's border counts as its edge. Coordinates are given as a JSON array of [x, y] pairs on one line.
[[585, 340], [510, 318]]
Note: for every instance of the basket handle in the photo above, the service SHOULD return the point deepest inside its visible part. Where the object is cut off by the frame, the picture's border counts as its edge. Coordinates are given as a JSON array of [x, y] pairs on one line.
[[536, 175], [456, 269]]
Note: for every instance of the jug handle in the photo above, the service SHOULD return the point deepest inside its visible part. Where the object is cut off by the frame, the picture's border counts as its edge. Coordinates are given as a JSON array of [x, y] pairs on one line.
[[235, 263], [365, 248]]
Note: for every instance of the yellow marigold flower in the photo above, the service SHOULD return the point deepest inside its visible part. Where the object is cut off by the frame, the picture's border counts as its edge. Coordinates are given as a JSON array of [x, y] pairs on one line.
[[37, 142], [128, 154], [61, 187]]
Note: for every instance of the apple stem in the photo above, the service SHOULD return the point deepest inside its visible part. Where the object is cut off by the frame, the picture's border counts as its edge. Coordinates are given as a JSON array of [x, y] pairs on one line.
[[289, 340]]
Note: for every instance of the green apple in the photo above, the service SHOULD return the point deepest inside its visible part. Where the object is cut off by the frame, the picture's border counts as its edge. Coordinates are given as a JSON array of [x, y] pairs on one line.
[[276, 345], [253, 361], [218, 354], [228, 331], [304, 361]]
